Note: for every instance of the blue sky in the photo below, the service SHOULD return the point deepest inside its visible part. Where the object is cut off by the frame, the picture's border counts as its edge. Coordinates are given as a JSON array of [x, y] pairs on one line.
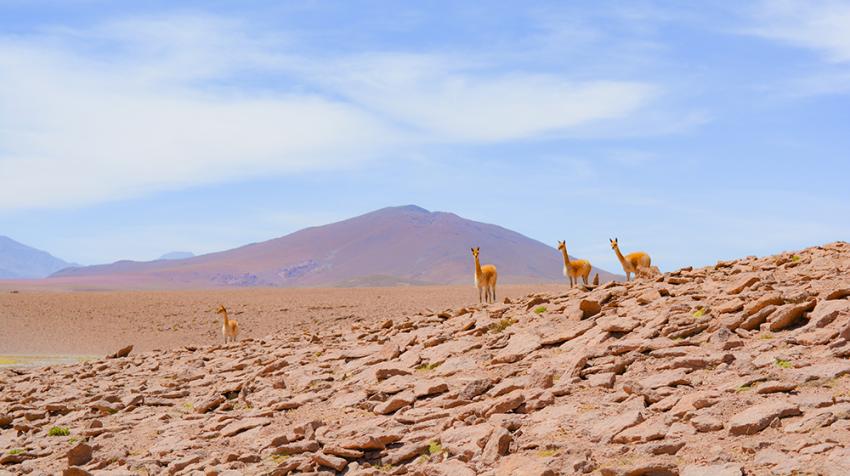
[[130, 129]]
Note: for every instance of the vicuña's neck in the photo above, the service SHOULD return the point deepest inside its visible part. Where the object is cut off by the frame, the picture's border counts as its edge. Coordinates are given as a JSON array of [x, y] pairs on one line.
[[477, 265], [225, 316], [620, 255], [566, 256]]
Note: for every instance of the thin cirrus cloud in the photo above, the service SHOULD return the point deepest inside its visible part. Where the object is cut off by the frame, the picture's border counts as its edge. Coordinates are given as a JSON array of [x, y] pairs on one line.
[[823, 26], [133, 107]]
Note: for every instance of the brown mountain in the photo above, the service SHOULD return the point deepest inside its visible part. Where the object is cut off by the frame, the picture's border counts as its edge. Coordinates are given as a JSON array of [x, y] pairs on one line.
[[392, 246]]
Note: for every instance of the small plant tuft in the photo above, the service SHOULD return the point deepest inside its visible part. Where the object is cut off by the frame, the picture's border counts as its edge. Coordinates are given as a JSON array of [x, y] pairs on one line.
[[59, 431], [785, 364], [699, 312], [503, 324], [547, 453], [540, 309], [744, 388], [428, 367], [435, 448], [15, 451], [795, 258]]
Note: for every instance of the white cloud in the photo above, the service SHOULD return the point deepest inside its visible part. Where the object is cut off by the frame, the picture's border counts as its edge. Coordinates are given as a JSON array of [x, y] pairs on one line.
[[446, 102], [823, 26], [132, 107]]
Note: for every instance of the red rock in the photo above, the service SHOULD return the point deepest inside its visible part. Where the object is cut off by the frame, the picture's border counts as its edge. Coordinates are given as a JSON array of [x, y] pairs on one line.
[[787, 315], [519, 346], [742, 283], [522, 465], [497, 446], [606, 429], [648, 296], [772, 299], [395, 402], [726, 469], [330, 461], [466, 442], [243, 424], [617, 324], [79, 455], [123, 352], [506, 403], [430, 387], [706, 423], [298, 447], [825, 312], [756, 418], [589, 308], [181, 463], [649, 430]]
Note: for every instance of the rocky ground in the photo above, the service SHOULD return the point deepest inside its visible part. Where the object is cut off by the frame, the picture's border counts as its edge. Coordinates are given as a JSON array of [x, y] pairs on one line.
[[738, 368]]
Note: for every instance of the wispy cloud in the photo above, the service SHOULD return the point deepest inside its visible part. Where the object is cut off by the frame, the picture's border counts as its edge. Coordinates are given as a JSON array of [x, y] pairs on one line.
[[823, 26], [138, 105]]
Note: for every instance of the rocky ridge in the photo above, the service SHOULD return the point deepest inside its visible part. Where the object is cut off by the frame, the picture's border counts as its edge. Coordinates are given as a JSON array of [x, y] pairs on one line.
[[739, 368]]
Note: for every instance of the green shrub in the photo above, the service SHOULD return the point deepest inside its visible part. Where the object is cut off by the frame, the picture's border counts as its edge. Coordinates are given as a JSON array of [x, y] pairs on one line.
[[785, 364], [59, 431], [540, 309]]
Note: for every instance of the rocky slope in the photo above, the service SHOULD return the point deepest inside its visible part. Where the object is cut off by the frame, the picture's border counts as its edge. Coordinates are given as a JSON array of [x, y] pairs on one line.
[[739, 368]]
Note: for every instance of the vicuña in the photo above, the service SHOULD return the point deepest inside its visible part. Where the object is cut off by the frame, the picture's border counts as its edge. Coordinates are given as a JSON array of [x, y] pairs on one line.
[[574, 268], [632, 262], [485, 278], [230, 329]]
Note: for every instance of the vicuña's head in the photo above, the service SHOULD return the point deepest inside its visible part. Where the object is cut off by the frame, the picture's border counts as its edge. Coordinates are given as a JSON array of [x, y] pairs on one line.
[[562, 245], [475, 251], [221, 310], [614, 244]]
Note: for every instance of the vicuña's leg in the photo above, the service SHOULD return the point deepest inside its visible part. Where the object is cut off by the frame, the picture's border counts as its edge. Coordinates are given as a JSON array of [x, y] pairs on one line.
[[479, 295], [494, 293]]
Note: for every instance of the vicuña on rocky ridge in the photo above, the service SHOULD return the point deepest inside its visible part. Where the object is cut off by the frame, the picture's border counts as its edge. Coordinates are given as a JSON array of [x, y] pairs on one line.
[[730, 369]]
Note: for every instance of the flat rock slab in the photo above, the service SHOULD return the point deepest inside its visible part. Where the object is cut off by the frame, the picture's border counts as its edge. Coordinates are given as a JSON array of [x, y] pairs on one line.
[[758, 417], [727, 469]]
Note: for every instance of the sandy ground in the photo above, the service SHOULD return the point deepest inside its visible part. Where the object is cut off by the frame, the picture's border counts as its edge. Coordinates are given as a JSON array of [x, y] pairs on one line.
[[66, 324]]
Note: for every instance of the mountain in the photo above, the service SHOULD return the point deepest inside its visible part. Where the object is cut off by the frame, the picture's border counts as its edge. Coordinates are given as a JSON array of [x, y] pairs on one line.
[[177, 255], [18, 260], [392, 246]]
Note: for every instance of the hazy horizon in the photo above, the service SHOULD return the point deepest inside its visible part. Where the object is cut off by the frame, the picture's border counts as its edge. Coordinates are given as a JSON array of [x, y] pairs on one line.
[[128, 131]]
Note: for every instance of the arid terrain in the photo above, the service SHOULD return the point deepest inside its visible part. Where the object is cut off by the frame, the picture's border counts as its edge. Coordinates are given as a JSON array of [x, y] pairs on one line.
[[42, 322], [738, 368]]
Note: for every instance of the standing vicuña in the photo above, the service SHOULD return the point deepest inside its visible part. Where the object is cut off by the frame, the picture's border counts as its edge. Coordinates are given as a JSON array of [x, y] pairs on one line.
[[632, 262], [230, 329], [485, 278], [574, 268]]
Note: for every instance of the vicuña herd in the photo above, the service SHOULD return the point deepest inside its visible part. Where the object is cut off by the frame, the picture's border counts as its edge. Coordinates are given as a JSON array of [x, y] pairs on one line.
[[638, 263]]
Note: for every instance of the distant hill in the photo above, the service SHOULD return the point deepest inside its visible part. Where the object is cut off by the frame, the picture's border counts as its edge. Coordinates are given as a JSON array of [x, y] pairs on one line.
[[177, 255], [19, 261], [393, 246]]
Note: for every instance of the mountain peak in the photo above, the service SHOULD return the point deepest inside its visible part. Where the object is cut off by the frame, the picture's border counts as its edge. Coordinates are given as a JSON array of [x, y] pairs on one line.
[[409, 208]]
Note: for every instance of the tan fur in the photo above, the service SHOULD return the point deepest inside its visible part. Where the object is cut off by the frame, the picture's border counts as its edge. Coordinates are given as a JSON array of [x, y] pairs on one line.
[[485, 278], [573, 269], [632, 262], [230, 328]]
